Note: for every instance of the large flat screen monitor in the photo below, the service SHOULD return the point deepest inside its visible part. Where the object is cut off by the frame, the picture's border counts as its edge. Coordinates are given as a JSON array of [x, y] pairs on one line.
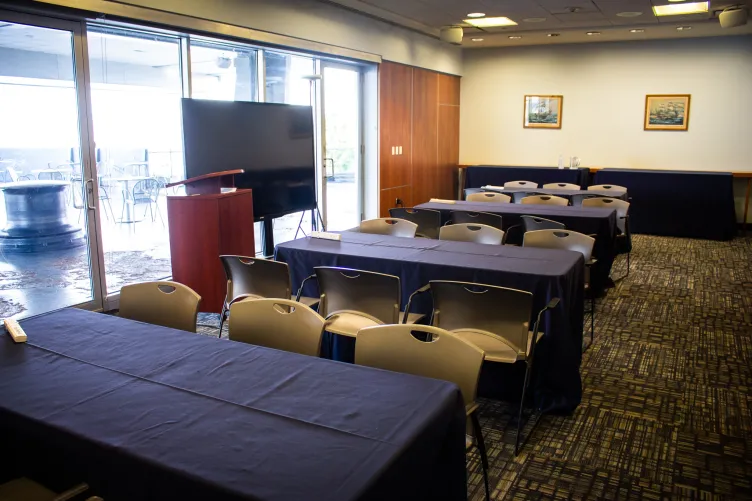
[[272, 143]]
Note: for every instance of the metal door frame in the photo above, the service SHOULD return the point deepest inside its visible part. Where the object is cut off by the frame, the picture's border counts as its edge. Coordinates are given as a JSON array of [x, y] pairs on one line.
[[87, 147], [322, 64]]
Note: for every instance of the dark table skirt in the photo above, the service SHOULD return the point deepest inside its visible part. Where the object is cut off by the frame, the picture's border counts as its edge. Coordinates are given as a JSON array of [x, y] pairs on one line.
[[677, 203], [481, 175], [545, 273]]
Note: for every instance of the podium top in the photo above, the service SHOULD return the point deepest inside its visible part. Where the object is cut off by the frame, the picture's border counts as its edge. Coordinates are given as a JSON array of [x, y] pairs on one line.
[[205, 177]]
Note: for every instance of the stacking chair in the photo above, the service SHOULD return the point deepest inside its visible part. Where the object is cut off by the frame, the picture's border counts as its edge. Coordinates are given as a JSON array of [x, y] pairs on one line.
[[389, 226], [485, 218], [281, 324], [442, 356], [470, 191], [489, 196], [532, 223], [470, 232], [428, 221], [573, 241], [607, 187], [25, 489], [145, 192], [545, 200], [623, 239], [577, 199], [561, 186], [249, 277], [11, 174], [170, 304], [520, 184], [50, 176], [495, 319], [353, 299]]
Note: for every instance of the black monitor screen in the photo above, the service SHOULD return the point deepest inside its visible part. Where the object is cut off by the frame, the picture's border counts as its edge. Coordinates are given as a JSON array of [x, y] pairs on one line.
[[272, 143]]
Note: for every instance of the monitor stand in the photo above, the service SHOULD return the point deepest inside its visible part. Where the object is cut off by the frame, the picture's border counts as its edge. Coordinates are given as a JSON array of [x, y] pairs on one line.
[[267, 231]]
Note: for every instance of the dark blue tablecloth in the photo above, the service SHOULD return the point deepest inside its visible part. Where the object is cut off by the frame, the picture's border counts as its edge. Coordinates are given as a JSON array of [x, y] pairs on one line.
[[587, 220], [481, 175], [145, 412], [677, 203], [518, 194], [545, 273]]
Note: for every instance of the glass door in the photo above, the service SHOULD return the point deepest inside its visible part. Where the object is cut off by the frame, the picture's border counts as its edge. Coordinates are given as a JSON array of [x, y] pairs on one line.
[[342, 187], [47, 215], [136, 88]]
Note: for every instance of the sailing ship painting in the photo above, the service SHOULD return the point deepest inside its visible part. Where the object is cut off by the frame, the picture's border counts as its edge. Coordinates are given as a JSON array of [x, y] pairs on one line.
[[543, 112], [667, 112]]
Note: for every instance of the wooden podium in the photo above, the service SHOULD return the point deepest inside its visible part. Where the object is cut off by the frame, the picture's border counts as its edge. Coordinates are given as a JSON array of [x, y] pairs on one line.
[[204, 224]]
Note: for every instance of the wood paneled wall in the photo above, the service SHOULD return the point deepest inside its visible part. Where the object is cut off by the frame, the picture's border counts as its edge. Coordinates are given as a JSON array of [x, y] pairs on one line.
[[419, 135]]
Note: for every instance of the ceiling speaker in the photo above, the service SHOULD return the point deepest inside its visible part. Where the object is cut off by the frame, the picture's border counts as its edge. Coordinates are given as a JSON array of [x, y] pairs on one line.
[[733, 17], [452, 34]]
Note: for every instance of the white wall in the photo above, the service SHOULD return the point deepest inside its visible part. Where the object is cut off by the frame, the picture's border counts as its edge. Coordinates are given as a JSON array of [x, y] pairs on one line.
[[604, 87], [322, 22]]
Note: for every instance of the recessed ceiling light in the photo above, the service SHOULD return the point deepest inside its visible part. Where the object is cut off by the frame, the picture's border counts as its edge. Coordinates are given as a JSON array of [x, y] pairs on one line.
[[476, 39], [629, 14], [678, 9], [552, 35], [637, 31], [476, 14], [683, 28], [490, 22], [534, 19], [592, 33], [514, 37]]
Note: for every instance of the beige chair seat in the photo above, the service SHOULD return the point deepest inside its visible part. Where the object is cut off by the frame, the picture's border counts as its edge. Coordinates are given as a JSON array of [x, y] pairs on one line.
[[494, 347], [26, 490], [311, 302], [347, 323]]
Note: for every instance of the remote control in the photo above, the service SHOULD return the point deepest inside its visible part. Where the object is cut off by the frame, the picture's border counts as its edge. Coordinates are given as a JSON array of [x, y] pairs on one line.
[[15, 330], [326, 235]]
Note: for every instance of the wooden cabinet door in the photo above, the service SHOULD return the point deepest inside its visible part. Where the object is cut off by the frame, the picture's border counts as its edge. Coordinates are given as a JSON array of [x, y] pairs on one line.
[[395, 109], [425, 131]]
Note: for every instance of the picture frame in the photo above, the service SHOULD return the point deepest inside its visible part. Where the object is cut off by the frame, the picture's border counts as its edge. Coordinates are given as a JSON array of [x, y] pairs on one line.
[[667, 112], [542, 111]]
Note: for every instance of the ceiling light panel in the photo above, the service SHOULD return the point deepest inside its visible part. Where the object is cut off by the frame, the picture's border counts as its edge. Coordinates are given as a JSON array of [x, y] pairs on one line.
[[490, 22], [679, 9]]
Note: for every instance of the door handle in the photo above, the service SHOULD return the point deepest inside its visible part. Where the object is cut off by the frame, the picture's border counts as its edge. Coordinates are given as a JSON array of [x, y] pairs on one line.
[[330, 160], [90, 197]]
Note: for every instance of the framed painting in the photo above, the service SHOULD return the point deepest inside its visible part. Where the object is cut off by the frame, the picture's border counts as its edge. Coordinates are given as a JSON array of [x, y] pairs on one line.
[[542, 112], [667, 111]]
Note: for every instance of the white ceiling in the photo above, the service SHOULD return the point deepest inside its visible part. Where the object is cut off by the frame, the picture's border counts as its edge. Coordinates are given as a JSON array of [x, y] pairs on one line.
[[571, 19]]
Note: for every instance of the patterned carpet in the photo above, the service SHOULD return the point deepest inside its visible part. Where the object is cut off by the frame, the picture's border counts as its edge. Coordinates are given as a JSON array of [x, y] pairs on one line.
[[667, 404]]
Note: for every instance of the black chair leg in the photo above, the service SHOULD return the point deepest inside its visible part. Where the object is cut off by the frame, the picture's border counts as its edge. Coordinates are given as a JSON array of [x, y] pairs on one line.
[[160, 214], [592, 318], [110, 206], [482, 449], [522, 406], [628, 264], [222, 317]]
